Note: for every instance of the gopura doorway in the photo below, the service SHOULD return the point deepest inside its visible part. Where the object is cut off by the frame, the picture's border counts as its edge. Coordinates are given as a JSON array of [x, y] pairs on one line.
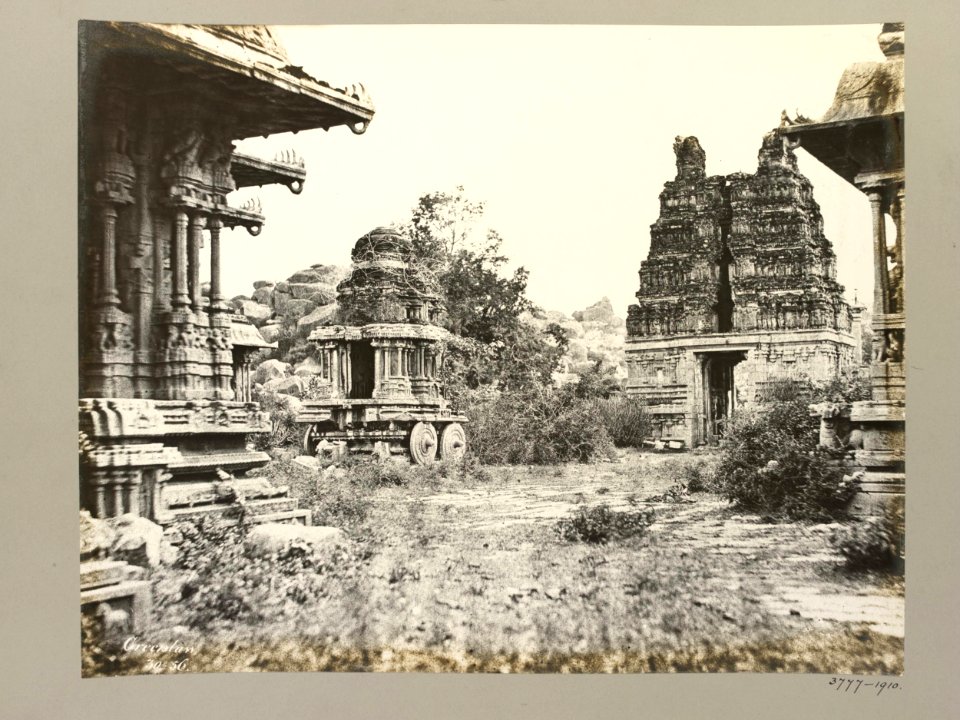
[[718, 392]]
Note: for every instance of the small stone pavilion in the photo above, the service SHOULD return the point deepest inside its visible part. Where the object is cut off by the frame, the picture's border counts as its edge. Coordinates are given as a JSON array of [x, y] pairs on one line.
[[860, 137], [379, 389], [738, 290], [165, 386]]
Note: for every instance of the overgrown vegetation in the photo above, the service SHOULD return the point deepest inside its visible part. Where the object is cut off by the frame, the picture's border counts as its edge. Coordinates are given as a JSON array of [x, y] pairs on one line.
[[771, 462], [876, 543], [599, 525], [535, 426], [284, 431]]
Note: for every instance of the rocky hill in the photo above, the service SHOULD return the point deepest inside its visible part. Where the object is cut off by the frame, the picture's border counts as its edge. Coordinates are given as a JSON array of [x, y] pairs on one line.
[[304, 300], [595, 333], [307, 299]]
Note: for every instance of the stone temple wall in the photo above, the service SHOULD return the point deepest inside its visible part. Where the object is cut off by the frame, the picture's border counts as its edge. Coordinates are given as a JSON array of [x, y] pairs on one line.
[[738, 290]]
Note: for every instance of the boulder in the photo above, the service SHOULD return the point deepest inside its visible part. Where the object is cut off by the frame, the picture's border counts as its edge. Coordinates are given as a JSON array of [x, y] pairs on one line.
[[137, 540], [303, 291], [298, 308], [307, 368], [276, 540], [270, 332], [600, 312], [270, 370], [310, 275], [263, 295], [238, 301], [290, 404], [257, 284], [279, 299], [286, 386], [96, 536], [323, 297], [319, 317], [255, 312], [282, 287]]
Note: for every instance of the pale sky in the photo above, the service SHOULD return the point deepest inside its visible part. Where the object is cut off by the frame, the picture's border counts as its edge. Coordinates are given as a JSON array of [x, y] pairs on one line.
[[565, 132]]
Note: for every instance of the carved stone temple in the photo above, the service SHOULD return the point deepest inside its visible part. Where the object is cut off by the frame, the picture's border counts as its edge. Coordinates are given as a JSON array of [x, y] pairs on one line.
[[379, 389], [738, 290], [860, 137], [164, 376]]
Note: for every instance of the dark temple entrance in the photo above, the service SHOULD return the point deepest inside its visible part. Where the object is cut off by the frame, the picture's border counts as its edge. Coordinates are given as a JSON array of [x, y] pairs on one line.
[[718, 392], [361, 370]]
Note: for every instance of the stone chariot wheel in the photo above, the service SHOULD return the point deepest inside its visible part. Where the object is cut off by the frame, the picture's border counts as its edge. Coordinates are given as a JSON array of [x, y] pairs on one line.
[[453, 442], [308, 439], [423, 443]]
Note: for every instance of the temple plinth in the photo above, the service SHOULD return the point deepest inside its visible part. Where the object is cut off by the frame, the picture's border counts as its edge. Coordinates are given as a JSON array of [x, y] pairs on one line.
[[165, 369], [861, 138]]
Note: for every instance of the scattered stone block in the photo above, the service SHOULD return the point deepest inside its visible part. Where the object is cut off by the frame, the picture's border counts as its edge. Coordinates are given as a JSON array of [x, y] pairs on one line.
[[307, 461], [277, 539], [137, 540], [96, 536]]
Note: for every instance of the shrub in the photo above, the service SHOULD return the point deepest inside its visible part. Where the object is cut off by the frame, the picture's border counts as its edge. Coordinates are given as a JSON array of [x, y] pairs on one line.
[[770, 462], [599, 525], [284, 431], [873, 544], [535, 426], [624, 418]]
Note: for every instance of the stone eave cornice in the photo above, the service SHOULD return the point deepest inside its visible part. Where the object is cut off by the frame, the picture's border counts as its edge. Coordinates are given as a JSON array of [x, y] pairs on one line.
[[248, 171], [271, 98]]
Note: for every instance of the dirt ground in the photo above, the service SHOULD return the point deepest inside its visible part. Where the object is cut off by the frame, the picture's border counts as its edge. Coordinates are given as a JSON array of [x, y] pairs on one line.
[[470, 574]]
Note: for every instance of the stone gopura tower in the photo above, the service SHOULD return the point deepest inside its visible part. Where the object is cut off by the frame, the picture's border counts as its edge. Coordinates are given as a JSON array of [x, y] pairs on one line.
[[379, 388], [737, 291], [164, 376]]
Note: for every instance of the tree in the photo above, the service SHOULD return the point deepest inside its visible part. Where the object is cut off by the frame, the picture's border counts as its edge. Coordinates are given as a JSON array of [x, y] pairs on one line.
[[483, 302]]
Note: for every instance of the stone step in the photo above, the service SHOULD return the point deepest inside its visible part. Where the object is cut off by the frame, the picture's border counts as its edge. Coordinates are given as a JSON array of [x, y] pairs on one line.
[[256, 511]]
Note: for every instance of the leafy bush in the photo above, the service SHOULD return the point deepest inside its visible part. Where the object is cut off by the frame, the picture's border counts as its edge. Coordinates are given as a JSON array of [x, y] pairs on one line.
[[214, 582], [625, 419], [535, 426], [873, 544], [284, 431], [599, 525], [771, 463]]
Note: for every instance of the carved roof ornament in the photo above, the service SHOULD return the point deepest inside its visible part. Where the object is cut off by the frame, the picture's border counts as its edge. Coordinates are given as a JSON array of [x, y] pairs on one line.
[[386, 281], [691, 158], [776, 151]]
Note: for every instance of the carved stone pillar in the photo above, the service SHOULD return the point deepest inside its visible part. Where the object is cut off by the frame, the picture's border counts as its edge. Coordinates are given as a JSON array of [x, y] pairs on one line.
[[180, 298], [108, 258], [216, 294], [881, 295], [197, 222]]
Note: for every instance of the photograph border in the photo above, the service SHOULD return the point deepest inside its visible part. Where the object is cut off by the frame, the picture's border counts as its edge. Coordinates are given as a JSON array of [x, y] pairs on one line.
[[41, 664]]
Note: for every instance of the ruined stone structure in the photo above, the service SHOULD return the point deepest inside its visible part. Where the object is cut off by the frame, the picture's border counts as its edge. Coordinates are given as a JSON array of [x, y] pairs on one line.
[[738, 290], [860, 137], [379, 387], [164, 376]]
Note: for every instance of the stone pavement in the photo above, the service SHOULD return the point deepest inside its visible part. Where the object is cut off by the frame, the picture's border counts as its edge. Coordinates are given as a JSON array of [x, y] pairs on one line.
[[795, 560]]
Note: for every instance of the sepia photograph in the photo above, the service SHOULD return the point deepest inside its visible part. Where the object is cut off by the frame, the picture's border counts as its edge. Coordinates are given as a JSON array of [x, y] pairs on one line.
[[491, 349]]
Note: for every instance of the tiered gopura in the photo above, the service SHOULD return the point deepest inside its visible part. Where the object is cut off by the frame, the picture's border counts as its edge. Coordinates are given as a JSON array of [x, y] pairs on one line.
[[164, 362], [379, 389], [860, 138], [738, 291]]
